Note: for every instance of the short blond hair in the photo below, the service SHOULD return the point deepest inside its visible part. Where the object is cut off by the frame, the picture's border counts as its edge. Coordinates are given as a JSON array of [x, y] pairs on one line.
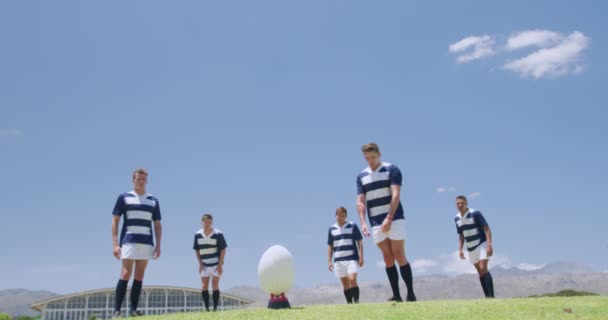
[[370, 147], [140, 171]]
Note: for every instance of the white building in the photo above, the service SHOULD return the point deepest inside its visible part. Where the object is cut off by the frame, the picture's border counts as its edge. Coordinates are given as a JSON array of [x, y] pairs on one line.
[[153, 300]]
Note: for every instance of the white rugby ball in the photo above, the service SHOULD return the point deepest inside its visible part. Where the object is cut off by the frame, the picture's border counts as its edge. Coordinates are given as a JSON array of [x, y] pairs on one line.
[[276, 270]]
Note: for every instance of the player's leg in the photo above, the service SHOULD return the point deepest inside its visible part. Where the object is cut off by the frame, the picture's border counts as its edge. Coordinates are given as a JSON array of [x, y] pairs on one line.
[[391, 269], [346, 288], [123, 282], [138, 278], [205, 291], [398, 248], [486, 277], [354, 287], [215, 283], [474, 257]]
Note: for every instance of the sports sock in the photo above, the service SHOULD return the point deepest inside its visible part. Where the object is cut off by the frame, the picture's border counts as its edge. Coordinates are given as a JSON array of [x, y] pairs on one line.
[[121, 291], [393, 279]]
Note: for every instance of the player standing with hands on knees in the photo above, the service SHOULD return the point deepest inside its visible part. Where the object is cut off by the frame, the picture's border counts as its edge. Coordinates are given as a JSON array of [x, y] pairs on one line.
[[141, 214], [210, 250], [345, 245], [474, 230], [378, 190]]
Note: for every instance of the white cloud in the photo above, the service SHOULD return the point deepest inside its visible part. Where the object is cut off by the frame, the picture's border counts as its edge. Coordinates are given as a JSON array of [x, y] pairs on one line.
[[454, 266], [423, 265], [529, 266], [537, 38], [474, 195], [11, 132], [561, 59], [380, 264], [444, 189], [481, 47]]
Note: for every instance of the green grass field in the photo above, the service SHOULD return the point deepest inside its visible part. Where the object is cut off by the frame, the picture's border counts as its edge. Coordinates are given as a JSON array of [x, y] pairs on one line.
[[527, 308]]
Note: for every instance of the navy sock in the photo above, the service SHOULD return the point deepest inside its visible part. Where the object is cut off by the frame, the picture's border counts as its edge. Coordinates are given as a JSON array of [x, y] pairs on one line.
[[135, 293], [483, 286], [348, 295], [206, 299], [216, 299], [393, 279], [354, 292], [406, 274], [121, 291], [489, 284]]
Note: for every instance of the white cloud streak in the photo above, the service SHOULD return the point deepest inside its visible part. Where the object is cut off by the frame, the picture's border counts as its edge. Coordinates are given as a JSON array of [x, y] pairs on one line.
[[11, 132], [444, 189], [474, 195], [423, 265], [529, 266], [478, 47], [563, 58], [536, 38]]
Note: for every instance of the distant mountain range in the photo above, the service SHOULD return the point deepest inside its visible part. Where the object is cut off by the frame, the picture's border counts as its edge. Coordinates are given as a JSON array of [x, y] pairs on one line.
[[509, 282]]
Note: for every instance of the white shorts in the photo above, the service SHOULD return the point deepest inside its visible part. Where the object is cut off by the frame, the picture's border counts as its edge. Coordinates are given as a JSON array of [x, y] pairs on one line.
[[480, 253], [210, 272], [397, 231], [344, 268], [136, 251]]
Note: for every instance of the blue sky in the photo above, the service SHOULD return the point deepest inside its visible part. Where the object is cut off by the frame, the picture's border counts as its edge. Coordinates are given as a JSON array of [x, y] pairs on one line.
[[256, 112]]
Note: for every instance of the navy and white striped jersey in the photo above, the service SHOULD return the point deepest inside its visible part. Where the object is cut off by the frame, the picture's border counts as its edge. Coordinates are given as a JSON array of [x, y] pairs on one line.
[[138, 214], [209, 246], [376, 185], [471, 227], [343, 241]]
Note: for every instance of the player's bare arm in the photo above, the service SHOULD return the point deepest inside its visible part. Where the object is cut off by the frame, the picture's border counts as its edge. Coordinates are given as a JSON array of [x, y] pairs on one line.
[[460, 245], [220, 265], [158, 233], [489, 248], [361, 212], [115, 245], [395, 195], [360, 246], [330, 253]]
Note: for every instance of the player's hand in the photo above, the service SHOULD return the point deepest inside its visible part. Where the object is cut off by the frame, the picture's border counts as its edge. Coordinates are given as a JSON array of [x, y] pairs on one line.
[[201, 267], [360, 262], [220, 269], [116, 251], [364, 230], [386, 225], [489, 249], [331, 266], [156, 253], [461, 254]]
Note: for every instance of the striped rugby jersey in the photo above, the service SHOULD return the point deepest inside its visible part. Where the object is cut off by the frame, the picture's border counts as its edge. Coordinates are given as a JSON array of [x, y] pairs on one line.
[[139, 213], [210, 246], [471, 227], [376, 185], [343, 240]]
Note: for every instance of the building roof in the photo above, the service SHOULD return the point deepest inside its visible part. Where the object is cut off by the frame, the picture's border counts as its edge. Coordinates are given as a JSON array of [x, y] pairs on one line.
[[41, 305]]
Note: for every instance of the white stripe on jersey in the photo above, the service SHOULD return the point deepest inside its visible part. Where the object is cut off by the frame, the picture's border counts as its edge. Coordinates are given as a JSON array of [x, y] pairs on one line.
[[136, 214], [207, 251], [211, 260], [379, 210], [202, 241], [470, 232], [139, 230], [373, 177], [345, 253], [343, 242], [473, 243], [378, 193]]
